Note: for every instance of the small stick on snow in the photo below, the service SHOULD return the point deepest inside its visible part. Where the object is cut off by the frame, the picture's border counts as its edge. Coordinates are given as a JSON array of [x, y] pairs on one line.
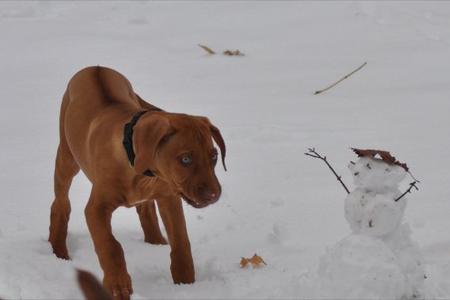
[[411, 185], [207, 49], [342, 79], [313, 153]]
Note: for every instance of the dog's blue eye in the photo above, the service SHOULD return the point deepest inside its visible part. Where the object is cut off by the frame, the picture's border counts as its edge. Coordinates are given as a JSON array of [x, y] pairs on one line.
[[186, 160], [214, 157]]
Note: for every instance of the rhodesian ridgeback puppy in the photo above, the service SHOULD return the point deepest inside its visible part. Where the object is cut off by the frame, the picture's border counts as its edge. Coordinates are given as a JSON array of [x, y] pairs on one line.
[[134, 154]]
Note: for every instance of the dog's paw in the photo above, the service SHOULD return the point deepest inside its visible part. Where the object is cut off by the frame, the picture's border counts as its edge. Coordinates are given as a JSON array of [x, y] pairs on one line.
[[119, 286], [156, 241], [183, 273], [61, 252], [64, 256], [184, 279]]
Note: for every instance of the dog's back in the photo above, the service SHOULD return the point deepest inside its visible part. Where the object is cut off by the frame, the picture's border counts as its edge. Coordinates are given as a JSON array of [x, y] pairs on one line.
[[102, 85], [93, 94], [94, 89]]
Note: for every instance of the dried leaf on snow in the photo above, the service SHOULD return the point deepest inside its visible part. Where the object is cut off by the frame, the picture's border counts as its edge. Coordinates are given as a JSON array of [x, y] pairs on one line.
[[255, 261], [233, 53]]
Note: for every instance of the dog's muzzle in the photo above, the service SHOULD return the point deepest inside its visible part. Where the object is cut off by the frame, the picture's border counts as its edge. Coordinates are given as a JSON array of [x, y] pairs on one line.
[[202, 203]]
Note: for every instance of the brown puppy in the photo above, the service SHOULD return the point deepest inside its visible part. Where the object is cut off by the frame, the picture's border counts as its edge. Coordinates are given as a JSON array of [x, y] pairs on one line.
[[132, 159]]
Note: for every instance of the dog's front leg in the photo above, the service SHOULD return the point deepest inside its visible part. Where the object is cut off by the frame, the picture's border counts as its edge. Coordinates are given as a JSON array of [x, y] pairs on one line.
[[110, 254], [149, 223], [182, 265]]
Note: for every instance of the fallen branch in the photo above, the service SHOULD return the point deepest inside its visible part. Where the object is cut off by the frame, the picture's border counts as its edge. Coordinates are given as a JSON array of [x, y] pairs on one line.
[[411, 186], [312, 152], [342, 79], [207, 49]]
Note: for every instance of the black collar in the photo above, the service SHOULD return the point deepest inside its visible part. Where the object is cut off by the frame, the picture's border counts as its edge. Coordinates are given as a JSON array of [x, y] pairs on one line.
[[128, 140]]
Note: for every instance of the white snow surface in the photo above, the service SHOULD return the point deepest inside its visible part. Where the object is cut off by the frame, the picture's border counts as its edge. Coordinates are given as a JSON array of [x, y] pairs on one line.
[[276, 202]]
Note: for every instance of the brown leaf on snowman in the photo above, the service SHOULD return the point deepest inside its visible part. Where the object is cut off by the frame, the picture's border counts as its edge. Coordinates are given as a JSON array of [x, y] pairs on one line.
[[382, 155]]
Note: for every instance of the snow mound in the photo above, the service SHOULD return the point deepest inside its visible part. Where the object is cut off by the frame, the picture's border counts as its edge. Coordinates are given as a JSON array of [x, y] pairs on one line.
[[361, 267], [365, 267], [410, 259]]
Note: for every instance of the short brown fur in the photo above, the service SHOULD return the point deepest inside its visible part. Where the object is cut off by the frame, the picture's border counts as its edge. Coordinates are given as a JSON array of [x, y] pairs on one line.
[[97, 104]]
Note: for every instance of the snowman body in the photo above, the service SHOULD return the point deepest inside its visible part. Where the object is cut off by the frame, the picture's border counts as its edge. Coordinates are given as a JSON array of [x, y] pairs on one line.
[[371, 208], [379, 258]]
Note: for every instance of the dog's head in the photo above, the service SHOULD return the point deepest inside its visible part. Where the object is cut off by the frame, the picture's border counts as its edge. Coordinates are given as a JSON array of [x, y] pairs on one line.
[[178, 148]]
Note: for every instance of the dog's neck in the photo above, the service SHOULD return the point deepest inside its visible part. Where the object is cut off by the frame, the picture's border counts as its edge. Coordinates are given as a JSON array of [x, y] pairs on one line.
[[128, 140]]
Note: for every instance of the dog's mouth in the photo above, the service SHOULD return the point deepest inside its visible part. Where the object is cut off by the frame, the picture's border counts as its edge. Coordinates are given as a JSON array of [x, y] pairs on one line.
[[193, 203]]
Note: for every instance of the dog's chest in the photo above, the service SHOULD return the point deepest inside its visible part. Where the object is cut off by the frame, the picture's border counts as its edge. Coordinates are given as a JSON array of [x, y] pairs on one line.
[[137, 201], [141, 190]]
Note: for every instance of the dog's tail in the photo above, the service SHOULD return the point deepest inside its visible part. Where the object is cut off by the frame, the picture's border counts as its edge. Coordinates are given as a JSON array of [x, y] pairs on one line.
[[91, 287]]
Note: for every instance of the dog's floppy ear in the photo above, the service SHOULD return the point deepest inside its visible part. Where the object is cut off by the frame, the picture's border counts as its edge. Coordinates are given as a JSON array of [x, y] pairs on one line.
[[215, 133], [148, 136]]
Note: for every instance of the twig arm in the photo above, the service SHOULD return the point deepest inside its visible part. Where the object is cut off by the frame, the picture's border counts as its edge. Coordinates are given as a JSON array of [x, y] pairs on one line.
[[312, 152], [411, 186]]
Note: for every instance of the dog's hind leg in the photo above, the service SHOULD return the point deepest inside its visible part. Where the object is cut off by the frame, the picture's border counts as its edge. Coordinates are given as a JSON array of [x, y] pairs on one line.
[[149, 223], [65, 169]]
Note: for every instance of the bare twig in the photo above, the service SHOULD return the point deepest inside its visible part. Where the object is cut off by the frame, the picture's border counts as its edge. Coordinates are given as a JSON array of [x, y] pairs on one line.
[[343, 78], [312, 152], [411, 186], [412, 176], [207, 49]]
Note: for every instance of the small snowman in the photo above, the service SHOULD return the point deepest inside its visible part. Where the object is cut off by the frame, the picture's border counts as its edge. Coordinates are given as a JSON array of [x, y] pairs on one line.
[[378, 259], [375, 207]]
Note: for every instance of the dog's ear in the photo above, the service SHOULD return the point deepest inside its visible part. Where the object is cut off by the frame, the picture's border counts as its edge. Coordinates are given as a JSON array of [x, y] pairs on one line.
[[147, 138], [215, 132], [217, 137]]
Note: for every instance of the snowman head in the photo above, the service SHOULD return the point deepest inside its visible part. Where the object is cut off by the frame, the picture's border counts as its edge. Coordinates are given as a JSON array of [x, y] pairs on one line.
[[376, 175]]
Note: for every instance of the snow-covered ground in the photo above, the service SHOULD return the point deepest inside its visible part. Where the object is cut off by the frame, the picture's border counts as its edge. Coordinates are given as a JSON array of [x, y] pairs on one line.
[[276, 201]]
